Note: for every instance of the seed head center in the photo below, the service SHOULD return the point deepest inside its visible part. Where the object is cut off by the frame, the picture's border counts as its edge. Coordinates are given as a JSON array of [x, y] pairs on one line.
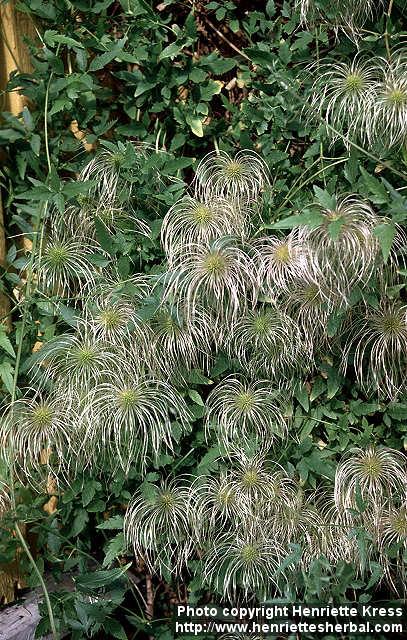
[[282, 254], [399, 523], [42, 416], [58, 255], [249, 553], [202, 215], [353, 83], [250, 478], [215, 264], [245, 401], [397, 97], [233, 170], [372, 467], [110, 318], [128, 398]]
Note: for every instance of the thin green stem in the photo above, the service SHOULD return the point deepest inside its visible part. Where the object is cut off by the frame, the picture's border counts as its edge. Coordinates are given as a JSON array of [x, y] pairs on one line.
[[366, 153], [386, 33], [40, 579], [292, 192]]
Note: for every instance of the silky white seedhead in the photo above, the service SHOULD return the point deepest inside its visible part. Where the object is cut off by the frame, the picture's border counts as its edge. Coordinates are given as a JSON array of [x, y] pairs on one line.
[[390, 109], [299, 519], [244, 561], [191, 221], [240, 179], [36, 436], [113, 319], [344, 93], [159, 525], [376, 474], [107, 170], [131, 415], [216, 505], [64, 265], [343, 246], [309, 307], [281, 261], [267, 343], [181, 341], [219, 277], [239, 410], [347, 14], [393, 528], [75, 362], [378, 344], [251, 480], [392, 534]]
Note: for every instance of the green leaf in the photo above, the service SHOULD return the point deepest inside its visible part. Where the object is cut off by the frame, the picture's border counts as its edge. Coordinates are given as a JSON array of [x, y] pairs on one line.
[[115, 522], [88, 492], [114, 548], [170, 51], [376, 188], [115, 629], [195, 397], [52, 37], [102, 578], [324, 198], [103, 236], [5, 342], [385, 233], [195, 124], [6, 374], [258, 56], [105, 58]]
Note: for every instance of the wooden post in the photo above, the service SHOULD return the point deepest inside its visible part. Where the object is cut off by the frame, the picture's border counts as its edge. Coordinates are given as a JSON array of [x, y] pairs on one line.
[[14, 55]]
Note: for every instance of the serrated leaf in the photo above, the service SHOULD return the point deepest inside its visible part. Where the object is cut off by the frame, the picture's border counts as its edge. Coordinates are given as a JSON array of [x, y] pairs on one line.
[[324, 198], [385, 233], [375, 187], [170, 51], [6, 374], [102, 578], [114, 548], [5, 342], [115, 522], [260, 57]]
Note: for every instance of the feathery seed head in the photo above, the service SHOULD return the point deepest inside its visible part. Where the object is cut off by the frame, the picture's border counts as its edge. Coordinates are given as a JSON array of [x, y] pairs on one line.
[[344, 247], [378, 473], [159, 528], [64, 265], [378, 341], [196, 221], [180, 340], [242, 560], [244, 410], [280, 261], [266, 342], [130, 415], [390, 116], [344, 93], [219, 277], [241, 178]]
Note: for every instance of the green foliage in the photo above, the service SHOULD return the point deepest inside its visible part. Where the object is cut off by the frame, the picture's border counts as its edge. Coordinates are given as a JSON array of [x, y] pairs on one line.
[[162, 75]]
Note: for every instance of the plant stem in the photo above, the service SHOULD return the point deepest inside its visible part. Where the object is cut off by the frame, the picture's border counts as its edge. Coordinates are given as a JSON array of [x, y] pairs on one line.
[[386, 33], [40, 579]]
